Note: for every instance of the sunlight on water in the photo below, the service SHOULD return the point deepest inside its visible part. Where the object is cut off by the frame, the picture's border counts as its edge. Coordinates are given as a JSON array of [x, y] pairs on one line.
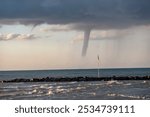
[[76, 90]]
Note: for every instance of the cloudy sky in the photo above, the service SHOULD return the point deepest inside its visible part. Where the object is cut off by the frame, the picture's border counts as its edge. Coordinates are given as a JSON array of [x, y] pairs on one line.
[[60, 34]]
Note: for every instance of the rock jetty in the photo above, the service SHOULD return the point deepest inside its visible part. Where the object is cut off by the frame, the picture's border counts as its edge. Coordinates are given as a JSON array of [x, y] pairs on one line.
[[77, 79]]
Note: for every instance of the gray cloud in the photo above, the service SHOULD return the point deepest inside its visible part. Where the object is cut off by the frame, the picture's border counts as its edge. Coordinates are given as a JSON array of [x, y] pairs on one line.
[[56, 28], [97, 14], [78, 14]]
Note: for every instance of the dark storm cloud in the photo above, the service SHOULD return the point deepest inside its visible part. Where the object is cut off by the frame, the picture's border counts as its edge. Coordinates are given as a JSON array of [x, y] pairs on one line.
[[95, 13]]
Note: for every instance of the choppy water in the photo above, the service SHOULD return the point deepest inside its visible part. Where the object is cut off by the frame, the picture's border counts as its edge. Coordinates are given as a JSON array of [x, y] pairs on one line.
[[76, 90]]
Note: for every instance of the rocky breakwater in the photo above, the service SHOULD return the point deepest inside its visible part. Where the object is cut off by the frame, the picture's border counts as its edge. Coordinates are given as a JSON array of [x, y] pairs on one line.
[[77, 79]]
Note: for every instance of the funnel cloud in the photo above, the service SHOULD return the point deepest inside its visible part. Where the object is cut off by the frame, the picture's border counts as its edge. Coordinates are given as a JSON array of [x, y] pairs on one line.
[[86, 41], [100, 14]]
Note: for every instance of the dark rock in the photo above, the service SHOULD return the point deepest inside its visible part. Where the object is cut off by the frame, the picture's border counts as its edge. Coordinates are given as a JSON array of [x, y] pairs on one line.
[[78, 79]]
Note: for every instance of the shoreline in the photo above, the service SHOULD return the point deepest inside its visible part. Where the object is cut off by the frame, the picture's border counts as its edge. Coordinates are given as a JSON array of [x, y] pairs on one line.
[[76, 79]]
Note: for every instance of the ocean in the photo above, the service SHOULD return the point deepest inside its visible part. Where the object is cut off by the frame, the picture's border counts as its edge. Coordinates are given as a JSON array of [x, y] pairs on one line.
[[98, 90], [8, 75]]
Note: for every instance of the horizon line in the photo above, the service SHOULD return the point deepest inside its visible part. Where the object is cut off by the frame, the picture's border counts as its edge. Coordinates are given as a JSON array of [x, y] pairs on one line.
[[75, 69]]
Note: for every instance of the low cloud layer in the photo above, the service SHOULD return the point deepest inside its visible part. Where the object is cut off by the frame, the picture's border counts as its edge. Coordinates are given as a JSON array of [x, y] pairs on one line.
[[7, 37], [98, 14], [56, 28]]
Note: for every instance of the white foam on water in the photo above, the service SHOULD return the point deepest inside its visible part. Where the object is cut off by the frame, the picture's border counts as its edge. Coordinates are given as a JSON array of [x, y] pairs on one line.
[[128, 84], [79, 88], [112, 94], [34, 91], [44, 85], [82, 90], [113, 82], [50, 92], [144, 82], [60, 90], [93, 94], [125, 96]]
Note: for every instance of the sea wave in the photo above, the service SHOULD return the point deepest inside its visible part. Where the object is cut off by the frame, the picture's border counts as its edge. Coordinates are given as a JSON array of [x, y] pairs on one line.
[[77, 90]]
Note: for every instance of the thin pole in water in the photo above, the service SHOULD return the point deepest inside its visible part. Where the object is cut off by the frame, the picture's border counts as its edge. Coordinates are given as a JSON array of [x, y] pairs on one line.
[[98, 65]]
